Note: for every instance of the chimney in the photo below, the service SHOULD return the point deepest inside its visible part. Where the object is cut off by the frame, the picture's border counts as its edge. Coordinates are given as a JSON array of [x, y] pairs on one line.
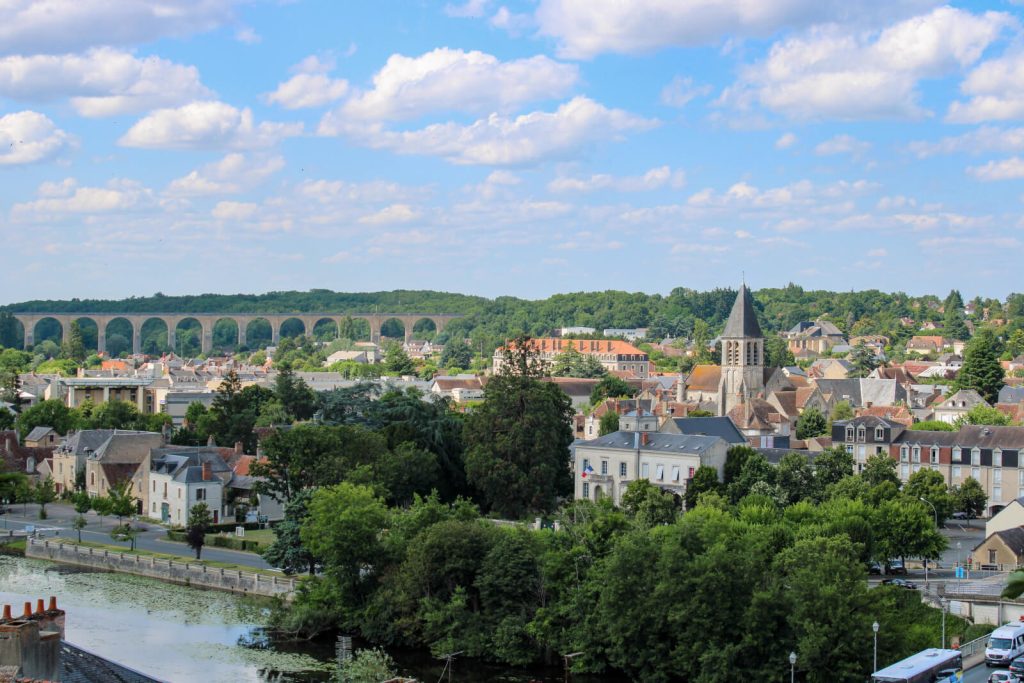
[[30, 645], [643, 438], [7, 613], [210, 441], [238, 447], [206, 471]]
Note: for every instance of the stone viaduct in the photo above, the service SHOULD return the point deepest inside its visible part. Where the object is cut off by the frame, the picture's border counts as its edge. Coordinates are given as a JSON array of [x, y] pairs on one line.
[[208, 320]]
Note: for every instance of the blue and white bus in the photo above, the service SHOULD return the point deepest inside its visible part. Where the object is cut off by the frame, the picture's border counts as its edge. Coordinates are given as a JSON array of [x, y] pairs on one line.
[[928, 666]]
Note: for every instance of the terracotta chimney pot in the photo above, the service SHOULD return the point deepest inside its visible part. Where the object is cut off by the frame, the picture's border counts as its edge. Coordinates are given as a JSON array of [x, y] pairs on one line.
[[40, 606], [7, 613], [28, 609], [53, 603]]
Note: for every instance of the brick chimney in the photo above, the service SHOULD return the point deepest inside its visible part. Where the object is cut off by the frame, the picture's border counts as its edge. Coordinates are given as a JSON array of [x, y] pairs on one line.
[[207, 473], [238, 447], [644, 436], [30, 644]]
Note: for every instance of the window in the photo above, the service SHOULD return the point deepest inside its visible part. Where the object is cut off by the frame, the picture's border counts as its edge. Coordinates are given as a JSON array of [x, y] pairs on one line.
[[956, 455], [992, 556], [675, 473], [915, 455], [904, 471], [622, 469], [849, 449], [849, 433], [976, 456], [997, 476], [997, 493], [935, 455], [976, 473], [154, 486], [586, 490], [179, 494], [659, 473], [586, 464], [956, 471], [645, 470], [997, 458], [904, 453], [879, 434], [200, 494], [604, 467], [862, 434], [691, 472], [92, 478]]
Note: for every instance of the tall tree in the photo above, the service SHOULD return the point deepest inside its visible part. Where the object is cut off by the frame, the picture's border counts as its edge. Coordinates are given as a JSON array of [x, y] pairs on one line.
[[608, 424], [517, 440], [49, 413], [288, 553], [811, 423], [970, 497], [704, 479], [396, 360], [863, 360], [777, 353], [981, 370], [878, 469], [73, 347], [456, 354], [701, 342], [295, 396], [610, 386]]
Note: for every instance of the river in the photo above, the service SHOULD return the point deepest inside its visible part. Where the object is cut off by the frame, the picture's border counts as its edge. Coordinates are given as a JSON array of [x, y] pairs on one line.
[[175, 633]]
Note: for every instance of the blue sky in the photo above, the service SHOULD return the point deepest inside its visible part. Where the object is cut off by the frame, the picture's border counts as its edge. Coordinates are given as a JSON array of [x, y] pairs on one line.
[[520, 148]]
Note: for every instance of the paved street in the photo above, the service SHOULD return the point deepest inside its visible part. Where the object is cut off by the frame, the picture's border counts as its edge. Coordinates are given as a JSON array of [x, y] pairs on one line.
[[154, 539]]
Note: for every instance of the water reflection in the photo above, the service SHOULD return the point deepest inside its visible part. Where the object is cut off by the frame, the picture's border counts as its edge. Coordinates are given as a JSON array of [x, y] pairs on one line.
[[170, 632]]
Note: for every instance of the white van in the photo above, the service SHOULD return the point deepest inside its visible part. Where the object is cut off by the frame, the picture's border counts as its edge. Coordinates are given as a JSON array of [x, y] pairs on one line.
[[1004, 644]]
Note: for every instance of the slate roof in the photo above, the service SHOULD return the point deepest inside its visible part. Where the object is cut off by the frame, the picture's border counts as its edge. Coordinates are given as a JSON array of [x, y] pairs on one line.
[[742, 320], [860, 392], [185, 464], [38, 433], [85, 440], [970, 397], [969, 436], [871, 422], [775, 455], [1013, 538], [1010, 394], [81, 666], [656, 442], [128, 447], [721, 427]]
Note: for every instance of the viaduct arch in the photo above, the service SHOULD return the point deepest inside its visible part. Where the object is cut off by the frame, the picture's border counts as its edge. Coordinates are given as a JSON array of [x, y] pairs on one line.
[[208, 320]]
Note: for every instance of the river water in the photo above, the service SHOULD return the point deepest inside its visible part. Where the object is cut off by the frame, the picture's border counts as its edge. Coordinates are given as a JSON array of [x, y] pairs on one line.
[[175, 633]]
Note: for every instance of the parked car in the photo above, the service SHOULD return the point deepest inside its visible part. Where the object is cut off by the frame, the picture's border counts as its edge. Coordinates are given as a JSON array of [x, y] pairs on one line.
[[895, 567], [874, 567], [1003, 677], [900, 583], [1017, 665], [960, 515]]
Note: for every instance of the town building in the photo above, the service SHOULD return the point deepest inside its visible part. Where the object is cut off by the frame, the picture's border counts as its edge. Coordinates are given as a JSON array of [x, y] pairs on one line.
[[817, 337], [615, 356], [180, 477], [958, 405]]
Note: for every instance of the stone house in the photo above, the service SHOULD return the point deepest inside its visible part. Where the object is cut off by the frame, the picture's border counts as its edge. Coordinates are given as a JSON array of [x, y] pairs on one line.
[[1002, 550], [958, 404]]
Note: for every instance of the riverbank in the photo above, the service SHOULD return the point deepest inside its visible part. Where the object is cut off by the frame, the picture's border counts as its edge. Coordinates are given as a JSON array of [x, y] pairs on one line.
[[185, 573]]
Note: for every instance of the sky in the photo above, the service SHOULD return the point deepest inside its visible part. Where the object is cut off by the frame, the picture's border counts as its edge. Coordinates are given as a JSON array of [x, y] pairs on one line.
[[509, 148]]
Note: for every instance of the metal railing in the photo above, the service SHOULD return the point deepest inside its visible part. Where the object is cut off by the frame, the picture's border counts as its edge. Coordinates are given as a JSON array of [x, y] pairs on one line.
[[972, 647]]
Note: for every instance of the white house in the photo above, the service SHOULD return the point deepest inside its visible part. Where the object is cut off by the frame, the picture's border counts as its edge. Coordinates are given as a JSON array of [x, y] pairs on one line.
[[179, 479]]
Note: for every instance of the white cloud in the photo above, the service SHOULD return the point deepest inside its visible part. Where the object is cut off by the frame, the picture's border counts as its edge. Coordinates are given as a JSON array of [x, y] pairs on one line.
[[234, 211], [833, 73], [514, 23], [234, 173], [785, 141], [310, 86], [878, 253], [586, 28], [446, 80], [69, 198], [995, 89], [28, 136], [390, 215], [55, 26], [101, 82], [681, 90], [205, 125], [983, 139], [1004, 169], [842, 144], [471, 9], [338, 257], [248, 35], [651, 180], [501, 141]]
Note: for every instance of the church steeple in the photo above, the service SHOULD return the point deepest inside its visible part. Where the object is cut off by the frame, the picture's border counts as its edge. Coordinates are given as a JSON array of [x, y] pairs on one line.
[[742, 323], [742, 354]]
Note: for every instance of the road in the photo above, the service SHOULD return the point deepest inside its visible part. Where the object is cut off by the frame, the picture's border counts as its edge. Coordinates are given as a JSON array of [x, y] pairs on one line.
[[154, 539]]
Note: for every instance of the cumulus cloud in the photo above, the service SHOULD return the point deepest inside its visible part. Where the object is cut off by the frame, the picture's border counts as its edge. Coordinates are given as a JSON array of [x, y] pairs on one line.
[[100, 82], [205, 125], [69, 198], [28, 136], [653, 179], [681, 90], [234, 211], [832, 73], [310, 86], [995, 89], [842, 144], [785, 141], [56, 26], [234, 173], [1004, 169], [445, 79], [502, 141], [390, 215], [587, 28], [983, 139], [471, 9]]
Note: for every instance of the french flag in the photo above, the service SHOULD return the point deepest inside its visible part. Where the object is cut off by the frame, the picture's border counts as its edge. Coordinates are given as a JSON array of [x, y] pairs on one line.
[[587, 470]]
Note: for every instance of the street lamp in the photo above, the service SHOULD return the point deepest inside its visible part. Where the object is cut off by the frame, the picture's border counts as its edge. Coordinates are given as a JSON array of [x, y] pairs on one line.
[[792, 667], [874, 627], [959, 569], [943, 602], [936, 513]]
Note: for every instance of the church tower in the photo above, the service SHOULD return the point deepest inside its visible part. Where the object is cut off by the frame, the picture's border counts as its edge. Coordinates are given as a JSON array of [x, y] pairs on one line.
[[742, 355]]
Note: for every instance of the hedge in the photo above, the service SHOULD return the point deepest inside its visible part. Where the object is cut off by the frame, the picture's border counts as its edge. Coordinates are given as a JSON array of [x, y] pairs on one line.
[[216, 541]]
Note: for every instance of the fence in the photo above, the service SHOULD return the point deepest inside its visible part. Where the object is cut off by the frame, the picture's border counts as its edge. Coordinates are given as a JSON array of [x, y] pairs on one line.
[[174, 571]]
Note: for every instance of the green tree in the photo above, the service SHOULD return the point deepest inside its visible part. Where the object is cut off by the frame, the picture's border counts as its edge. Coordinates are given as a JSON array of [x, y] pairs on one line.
[[288, 553], [932, 426], [701, 342], [982, 414], [456, 354], [863, 360], [517, 440], [102, 506], [842, 411], [648, 504], [367, 666], [905, 528], [126, 533], [78, 524], [49, 413], [981, 370], [122, 503], [294, 394], [832, 466], [880, 468], [930, 486], [44, 493], [397, 361], [608, 423], [73, 347], [735, 458], [970, 498], [199, 521], [610, 386], [777, 353], [704, 479], [811, 423], [572, 363], [795, 478], [754, 470]]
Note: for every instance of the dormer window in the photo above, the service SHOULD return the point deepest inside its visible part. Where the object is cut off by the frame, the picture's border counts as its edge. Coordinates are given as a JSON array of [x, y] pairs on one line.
[[862, 434], [935, 455], [904, 453], [849, 433], [879, 433], [957, 455], [997, 458], [976, 456], [916, 455]]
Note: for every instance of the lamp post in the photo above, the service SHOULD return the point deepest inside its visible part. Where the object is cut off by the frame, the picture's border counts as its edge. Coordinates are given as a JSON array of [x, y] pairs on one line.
[[792, 667], [874, 627], [943, 602], [936, 513]]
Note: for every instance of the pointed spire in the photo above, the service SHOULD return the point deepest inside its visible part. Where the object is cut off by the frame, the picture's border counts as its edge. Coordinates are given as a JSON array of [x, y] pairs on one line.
[[742, 323]]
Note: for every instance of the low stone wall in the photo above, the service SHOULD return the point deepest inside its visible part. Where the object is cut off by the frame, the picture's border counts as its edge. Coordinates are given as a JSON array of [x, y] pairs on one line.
[[174, 571]]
